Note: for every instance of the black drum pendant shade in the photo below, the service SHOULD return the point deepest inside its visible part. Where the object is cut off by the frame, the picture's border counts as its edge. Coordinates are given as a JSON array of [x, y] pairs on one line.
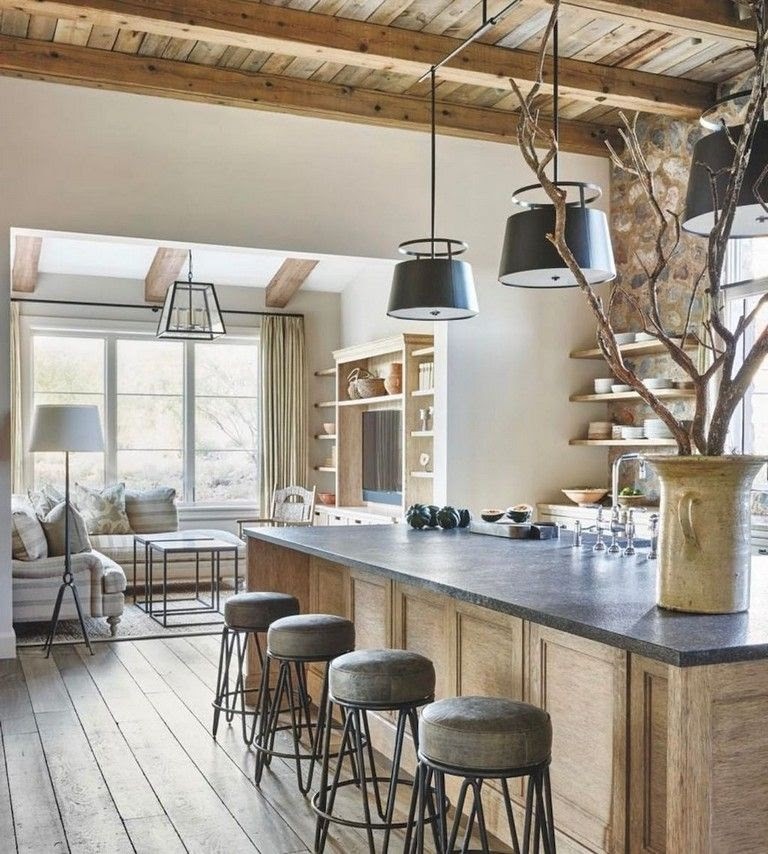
[[715, 152], [529, 260]]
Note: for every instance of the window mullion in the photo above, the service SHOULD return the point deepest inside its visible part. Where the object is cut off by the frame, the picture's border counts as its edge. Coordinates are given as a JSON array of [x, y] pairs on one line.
[[110, 409]]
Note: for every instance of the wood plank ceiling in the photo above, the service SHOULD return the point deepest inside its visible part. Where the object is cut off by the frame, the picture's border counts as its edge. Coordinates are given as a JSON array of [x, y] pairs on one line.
[[360, 60]]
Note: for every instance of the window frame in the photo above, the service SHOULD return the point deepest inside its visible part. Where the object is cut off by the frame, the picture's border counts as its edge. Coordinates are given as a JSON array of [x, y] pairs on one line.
[[111, 332]]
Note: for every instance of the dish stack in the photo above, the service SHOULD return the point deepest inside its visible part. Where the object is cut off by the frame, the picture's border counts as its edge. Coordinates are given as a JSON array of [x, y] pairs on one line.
[[655, 428]]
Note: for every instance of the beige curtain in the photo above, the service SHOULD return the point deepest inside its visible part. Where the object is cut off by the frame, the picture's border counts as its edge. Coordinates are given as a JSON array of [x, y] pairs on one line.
[[17, 446], [284, 440]]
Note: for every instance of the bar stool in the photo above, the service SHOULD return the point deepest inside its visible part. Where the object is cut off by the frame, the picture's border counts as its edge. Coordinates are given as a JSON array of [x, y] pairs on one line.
[[370, 680], [293, 642], [479, 739], [245, 615]]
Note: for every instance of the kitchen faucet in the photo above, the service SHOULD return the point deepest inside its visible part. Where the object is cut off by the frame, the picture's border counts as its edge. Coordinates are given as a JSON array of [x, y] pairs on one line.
[[631, 455]]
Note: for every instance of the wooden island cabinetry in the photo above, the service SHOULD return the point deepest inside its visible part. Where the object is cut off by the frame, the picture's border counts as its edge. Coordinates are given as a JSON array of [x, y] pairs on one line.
[[648, 756]]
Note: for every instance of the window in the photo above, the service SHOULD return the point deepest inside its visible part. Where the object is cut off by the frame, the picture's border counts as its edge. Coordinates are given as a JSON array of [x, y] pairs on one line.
[[175, 413]]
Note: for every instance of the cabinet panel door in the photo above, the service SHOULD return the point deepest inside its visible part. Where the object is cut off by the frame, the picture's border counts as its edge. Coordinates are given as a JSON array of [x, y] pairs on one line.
[[371, 609], [583, 684], [489, 652], [648, 756], [328, 587], [423, 623]]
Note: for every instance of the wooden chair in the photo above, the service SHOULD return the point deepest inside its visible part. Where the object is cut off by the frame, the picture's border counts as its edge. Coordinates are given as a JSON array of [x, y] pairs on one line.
[[291, 506]]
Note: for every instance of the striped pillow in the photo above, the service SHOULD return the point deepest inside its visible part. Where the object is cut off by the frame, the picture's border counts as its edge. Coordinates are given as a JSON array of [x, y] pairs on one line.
[[153, 511], [27, 537]]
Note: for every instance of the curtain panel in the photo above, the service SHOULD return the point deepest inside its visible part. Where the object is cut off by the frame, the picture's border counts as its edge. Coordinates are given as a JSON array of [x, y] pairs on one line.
[[284, 440], [17, 440]]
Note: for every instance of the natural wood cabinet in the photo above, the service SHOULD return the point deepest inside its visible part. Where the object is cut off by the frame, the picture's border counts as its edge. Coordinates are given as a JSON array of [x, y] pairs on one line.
[[371, 609], [583, 685]]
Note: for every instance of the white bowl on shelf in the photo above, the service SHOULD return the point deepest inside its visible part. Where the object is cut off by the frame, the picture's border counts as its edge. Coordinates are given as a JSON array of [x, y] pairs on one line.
[[656, 383], [603, 385], [625, 337], [620, 388]]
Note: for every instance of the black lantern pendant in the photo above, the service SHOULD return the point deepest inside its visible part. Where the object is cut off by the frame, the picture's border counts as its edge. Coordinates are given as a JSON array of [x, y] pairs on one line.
[[713, 157], [528, 257], [433, 284], [191, 311]]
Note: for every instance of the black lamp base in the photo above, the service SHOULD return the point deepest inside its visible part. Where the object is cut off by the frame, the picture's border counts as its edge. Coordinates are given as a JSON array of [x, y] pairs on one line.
[[68, 583]]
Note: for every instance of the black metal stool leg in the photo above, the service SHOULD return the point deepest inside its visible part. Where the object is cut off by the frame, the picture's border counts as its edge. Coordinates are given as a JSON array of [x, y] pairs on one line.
[[510, 816]]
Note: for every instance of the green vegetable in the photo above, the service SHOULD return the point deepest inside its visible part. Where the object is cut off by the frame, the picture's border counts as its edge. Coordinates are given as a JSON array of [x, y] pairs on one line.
[[433, 511], [418, 516], [464, 518], [630, 491], [448, 518]]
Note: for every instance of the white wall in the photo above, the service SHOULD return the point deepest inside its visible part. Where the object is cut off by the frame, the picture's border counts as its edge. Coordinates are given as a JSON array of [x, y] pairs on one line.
[[103, 162]]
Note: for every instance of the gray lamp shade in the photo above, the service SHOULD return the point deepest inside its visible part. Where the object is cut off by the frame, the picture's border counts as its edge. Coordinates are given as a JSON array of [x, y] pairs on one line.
[[432, 289], [529, 260], [66, 427], [191, 311], [716, 152]]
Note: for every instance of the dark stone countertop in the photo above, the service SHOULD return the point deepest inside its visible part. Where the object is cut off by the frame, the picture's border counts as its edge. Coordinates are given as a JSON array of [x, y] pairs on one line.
[[606, 598]]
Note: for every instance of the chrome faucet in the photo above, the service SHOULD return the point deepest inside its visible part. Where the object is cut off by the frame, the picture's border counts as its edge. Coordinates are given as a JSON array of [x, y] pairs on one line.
[[631, 455]]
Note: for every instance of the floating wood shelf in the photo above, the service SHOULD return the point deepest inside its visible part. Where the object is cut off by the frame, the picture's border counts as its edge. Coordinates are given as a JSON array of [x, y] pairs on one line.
[[424, 351], [325, 468], [325, 437], [424, 474], [625, 443], [326, 404], [662, 394], [326, 372], [422, 434], [637, 348], [423, 392], [382, 398]]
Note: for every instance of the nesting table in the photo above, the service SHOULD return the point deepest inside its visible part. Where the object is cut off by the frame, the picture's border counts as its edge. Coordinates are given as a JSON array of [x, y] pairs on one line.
[[206, 598]]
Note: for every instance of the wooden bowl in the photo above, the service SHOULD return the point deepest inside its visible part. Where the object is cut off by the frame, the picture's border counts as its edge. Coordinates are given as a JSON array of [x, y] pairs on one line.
[[327, 498], [585, 495]]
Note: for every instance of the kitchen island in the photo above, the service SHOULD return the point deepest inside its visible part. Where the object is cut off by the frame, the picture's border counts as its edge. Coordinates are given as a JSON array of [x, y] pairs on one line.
[[660, 736]]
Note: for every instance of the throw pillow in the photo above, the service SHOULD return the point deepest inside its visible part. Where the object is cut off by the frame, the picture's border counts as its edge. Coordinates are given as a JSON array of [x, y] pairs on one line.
[[103, 509], [44, 499], [53, 526], [27, 537], [152, 511]]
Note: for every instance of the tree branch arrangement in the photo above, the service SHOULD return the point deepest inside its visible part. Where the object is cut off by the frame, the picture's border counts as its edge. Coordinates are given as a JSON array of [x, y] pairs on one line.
[[722, 384]]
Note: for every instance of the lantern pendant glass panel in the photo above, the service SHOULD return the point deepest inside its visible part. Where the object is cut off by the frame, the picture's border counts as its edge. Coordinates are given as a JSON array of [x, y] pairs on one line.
[[191, 311]]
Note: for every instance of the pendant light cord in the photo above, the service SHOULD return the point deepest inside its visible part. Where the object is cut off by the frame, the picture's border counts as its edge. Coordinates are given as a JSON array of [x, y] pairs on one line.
[[433, 151], [556, 93]]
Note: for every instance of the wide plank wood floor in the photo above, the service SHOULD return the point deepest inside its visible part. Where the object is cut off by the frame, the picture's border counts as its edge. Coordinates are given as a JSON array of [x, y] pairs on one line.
[[112, 753]]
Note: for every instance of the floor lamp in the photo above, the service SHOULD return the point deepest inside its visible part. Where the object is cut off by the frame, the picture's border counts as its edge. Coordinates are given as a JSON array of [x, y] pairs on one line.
[[68, 428]]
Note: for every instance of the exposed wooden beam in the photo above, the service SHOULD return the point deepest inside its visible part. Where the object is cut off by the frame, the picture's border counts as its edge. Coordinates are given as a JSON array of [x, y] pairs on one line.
[[263, 27], [287, 280], [26, 258], [150, 76], [165, 269], [718, 19]]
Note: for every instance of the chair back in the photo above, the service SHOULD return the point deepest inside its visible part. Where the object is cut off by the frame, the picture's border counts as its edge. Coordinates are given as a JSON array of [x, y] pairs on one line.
[[293, 505]]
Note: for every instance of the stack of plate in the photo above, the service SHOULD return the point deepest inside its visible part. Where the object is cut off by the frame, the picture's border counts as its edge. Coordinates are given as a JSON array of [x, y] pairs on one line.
[[655, 428]]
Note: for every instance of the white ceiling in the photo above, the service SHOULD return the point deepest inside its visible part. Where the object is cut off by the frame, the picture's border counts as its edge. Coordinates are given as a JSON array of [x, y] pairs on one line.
[[125, 258]]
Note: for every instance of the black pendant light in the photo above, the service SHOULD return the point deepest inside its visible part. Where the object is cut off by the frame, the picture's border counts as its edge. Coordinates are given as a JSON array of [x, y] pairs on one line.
[[191, 311], [433, 284], [713, 155], [528, 258]]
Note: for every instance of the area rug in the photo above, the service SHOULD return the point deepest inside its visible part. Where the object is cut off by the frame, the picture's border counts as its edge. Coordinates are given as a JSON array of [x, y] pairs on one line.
[[134, 624]]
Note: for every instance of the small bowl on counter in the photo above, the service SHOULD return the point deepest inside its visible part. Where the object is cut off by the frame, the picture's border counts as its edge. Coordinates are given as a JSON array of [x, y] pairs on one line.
[[520, 513], [491, 515], [603, 385], [620, 388], [327, 498], [585, 495]]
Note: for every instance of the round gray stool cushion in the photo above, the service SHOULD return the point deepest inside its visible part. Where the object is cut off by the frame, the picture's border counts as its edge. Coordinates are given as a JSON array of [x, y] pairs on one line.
[[257, 611], [485, 733], [311, 636], [382, 676]]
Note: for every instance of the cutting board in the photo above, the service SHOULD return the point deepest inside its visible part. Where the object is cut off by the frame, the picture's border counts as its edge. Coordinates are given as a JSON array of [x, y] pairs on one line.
[[515, 530]]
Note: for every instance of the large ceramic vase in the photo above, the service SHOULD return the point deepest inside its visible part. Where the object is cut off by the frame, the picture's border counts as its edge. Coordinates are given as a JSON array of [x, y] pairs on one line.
[[704, 540]]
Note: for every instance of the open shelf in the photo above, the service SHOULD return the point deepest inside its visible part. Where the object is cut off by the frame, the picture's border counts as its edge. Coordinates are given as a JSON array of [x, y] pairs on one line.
[[326, 372], [382, 398], [325, 404], [422, 434], [326, 437], [423, 392], [424, 351], [625, 443], [662, 394], [325, 468], [637, 348], [423, 474]]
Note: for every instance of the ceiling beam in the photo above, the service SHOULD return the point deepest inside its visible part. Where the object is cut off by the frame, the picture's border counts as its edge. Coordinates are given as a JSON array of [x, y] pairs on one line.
[[165, 269], [717, 19], [287, 280], [26, 259], [263, 27], [150, 76]]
